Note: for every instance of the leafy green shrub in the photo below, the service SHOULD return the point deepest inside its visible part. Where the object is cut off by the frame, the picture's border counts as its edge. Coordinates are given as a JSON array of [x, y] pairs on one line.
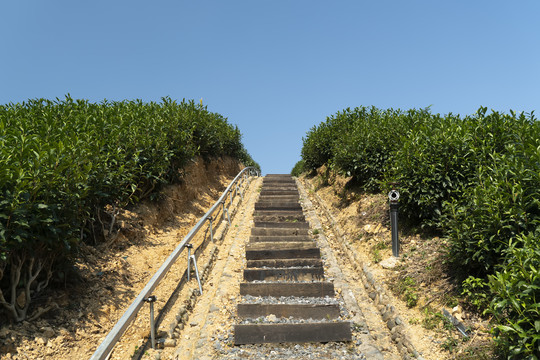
[[432, 165], [477, 291], [63, 161], [366, 149], [298, 168], [516, 298], [475, 178], [503, 202], [318, 145]]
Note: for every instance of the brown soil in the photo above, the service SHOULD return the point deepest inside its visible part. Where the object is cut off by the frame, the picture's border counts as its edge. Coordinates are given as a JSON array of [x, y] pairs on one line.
[[420, 282], [114, 272]]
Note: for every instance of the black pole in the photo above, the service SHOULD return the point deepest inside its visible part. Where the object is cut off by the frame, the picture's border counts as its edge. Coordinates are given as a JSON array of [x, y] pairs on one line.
[[394, 224], [394, 197]]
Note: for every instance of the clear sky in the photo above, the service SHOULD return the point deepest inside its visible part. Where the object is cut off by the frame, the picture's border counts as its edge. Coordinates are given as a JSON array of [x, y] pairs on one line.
[[276, 68]]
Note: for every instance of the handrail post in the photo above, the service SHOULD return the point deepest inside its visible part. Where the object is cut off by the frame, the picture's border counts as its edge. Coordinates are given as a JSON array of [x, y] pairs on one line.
[[151, 300], [211, 232], [189, 247], [226, 213]]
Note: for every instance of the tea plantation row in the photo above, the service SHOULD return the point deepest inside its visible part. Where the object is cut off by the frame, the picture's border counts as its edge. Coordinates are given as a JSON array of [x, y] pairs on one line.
[[474, 178], [62, 162]]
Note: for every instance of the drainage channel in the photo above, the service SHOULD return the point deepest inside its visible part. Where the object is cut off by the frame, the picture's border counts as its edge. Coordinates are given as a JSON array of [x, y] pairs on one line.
[[286, 297]]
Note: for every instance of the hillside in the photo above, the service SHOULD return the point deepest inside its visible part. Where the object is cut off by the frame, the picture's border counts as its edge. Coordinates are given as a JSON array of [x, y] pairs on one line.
[[113, 273], [419, 282]]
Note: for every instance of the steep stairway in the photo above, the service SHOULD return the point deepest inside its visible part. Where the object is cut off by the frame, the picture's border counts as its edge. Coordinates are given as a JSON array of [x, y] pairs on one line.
[[285, 295]]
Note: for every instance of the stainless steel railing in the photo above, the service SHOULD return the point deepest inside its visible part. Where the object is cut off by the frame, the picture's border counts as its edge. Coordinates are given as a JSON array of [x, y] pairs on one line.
[[120, 327]]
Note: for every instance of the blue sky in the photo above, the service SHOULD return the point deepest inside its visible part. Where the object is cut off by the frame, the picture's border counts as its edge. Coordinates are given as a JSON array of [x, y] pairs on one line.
[[276, 68]]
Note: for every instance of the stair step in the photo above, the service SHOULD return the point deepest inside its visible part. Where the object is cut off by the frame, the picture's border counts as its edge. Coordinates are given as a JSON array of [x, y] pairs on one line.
[[296, 212], [277, 206], [283, 263], [284, 274], [279, 192], [281, 224], [293, 197], [278, 217], [281, 250], [298, 333], [295, 238], [279, 232], [277, 289], [283, 180], [298, 311]]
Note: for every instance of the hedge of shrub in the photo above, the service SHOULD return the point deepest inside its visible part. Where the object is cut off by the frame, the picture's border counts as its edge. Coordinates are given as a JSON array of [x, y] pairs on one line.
[[63, 161], [474, 178]]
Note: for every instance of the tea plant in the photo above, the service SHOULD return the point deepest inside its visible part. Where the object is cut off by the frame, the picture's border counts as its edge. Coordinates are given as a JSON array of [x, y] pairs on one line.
[[474, 178], [515, 288], [64, 163]]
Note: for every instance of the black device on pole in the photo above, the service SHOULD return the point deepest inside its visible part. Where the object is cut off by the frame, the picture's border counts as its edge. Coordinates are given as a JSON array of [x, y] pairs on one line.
[[393, 195]]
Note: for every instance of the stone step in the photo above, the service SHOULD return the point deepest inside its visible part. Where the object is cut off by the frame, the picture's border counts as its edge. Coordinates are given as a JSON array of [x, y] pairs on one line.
[[295, 333], [277, 202], [277, 192], [277, 289], [272, 199], [291, 190], [282, 179], [280, 218], [285, 274], [265, 205], [281, 224], [279, 232], [297, 311], [278, 177], [279, 198], [297, 212], [283, 263], [281, 250], [262, 238]]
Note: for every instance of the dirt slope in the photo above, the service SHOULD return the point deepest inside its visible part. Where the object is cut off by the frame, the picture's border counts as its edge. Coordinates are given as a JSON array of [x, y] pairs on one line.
[[418, 283], [114, 272]]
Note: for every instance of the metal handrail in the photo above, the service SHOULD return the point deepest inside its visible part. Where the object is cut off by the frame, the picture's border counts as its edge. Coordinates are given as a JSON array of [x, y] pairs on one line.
[[120, 327]]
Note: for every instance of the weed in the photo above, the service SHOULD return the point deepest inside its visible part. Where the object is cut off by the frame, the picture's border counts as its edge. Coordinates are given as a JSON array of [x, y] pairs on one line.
[[377, 257], [476, 291], [316, 231], [433, 320], [408, 290], [450, 343], [449, 300]]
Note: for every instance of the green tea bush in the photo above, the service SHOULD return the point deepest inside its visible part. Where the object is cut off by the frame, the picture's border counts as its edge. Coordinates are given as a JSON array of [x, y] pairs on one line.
[[477, 179], [319, 143], [366, 149], [501, 203], [63, 161], [516, 298], [298, 168], [433, 164]]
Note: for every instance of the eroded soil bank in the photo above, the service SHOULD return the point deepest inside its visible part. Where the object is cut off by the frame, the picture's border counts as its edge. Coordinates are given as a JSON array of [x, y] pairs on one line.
[[114, 272]]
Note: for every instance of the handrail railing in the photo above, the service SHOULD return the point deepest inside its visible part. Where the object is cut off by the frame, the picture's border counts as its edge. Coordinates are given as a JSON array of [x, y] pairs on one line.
[[120, 327]]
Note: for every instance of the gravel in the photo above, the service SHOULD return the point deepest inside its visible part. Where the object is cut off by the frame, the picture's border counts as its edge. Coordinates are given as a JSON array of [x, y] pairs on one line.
[[333, 350], [327, 300]]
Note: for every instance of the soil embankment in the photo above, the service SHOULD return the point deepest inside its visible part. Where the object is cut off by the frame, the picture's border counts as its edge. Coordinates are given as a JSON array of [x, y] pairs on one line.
[[114, 272], [417, 285]]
